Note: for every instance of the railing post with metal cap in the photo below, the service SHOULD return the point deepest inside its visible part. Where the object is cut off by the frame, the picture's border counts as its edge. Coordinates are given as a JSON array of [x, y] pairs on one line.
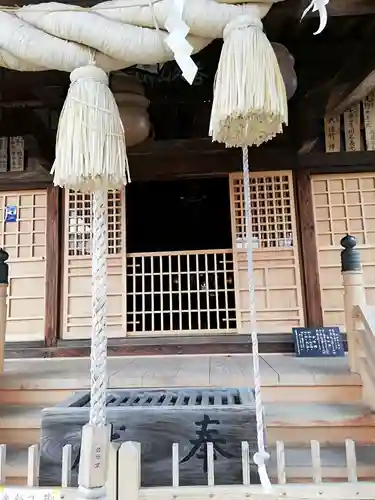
[[4, 281], [354, 295]]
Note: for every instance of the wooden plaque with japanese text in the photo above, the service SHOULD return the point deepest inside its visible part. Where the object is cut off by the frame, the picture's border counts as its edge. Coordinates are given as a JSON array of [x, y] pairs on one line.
[[157, 419]]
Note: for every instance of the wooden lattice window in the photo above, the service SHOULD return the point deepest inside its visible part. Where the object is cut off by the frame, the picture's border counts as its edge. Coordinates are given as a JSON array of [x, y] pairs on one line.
[[270, 208], [80, 223], [345, 205], [24, 235], [181, 292]]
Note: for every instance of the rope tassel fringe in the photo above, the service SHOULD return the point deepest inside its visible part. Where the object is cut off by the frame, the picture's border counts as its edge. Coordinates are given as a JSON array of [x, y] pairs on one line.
[[90, 144], [250, 103]]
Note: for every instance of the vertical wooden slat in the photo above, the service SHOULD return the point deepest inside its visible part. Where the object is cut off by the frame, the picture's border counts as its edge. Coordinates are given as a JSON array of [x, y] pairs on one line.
[[189, 290], [369, 119], [129, 478], [352, 129], [198, 292], [316, 462], [245, 463], [3, 154], [351, 461], [3, 454], [280, 452], [53, 268], [66, 469], [17, 154], [210, 465], [332, 134], [111, 484], [308, 249], [175, 465], [33, 466]]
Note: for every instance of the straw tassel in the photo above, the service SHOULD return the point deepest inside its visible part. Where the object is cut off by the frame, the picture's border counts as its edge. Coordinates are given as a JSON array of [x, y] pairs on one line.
[[250, 103], [90, 144]]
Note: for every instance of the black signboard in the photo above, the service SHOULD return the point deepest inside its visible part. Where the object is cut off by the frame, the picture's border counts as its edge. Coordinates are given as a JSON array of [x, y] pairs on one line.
[[318, 342]]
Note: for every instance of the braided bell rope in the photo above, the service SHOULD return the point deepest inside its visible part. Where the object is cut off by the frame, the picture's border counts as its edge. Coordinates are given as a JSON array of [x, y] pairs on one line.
[[261, 456], [99, 306]]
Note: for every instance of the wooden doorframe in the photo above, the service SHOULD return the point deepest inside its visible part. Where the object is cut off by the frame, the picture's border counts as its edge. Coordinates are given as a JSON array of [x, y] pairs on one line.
[[308, 248], [53, 267]]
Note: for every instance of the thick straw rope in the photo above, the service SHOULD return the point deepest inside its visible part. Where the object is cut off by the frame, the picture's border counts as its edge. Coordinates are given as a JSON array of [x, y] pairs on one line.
[[261, 456], [99, 305], [121, 33]]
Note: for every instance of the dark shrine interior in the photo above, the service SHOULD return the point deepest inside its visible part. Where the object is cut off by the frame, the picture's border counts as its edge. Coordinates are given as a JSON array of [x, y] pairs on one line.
[[178, 215]]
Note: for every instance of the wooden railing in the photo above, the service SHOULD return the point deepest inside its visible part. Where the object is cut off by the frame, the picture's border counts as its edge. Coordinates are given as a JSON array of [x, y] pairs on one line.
[[124, 478], [359, 319], [364, 316]]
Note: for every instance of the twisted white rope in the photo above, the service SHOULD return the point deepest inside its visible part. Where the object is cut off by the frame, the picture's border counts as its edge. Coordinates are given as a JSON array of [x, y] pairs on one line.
[[120, 32], [99, 305], [261, 456]]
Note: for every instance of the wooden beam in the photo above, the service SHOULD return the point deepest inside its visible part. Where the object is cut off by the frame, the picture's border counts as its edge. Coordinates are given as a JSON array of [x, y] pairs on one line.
[[335, 8], [356, 161], [308, 250], [344, 8], [24, 121], [350, 84], [34, 177], [53, 267]]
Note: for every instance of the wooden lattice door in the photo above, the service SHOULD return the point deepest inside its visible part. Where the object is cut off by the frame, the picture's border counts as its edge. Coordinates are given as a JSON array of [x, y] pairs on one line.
[[77, 265], [278, 294], [343, 203], [23, 235]]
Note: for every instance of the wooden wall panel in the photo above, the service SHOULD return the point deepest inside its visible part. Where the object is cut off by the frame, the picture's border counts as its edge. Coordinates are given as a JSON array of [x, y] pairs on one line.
[[25, 241], [77, 314], [343, 203]]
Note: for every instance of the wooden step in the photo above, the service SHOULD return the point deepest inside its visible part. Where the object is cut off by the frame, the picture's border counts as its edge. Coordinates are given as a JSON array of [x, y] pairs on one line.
[[324, 422], [284, 378], [297, 460], [271, 393], [20, 424]]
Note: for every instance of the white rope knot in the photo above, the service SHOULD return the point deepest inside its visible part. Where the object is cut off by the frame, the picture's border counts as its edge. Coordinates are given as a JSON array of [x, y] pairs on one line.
[[260, 458], [91, 493], [242, 22], [90, 72]]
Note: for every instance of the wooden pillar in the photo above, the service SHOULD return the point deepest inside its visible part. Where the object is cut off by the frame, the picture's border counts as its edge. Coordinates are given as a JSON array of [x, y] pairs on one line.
[[308, 249], [53, 267], [354, 295], [4, 281]]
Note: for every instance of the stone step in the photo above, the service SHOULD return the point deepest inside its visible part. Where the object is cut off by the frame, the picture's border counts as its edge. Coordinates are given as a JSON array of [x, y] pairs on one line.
[[291, 423], [297, 461]]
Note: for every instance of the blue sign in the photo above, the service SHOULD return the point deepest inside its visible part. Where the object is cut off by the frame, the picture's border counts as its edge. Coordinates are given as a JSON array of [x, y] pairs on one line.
[[318, 342], [10, 213]]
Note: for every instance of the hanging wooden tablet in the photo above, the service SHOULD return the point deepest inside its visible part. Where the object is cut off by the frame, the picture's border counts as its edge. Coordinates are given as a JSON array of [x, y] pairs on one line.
[[369, 120], [352, 128], [332, 134], [17, 153], [3, 154]]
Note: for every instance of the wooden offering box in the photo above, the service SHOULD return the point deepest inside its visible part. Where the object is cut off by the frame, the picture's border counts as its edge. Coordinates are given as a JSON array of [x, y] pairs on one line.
[[157, 419]]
